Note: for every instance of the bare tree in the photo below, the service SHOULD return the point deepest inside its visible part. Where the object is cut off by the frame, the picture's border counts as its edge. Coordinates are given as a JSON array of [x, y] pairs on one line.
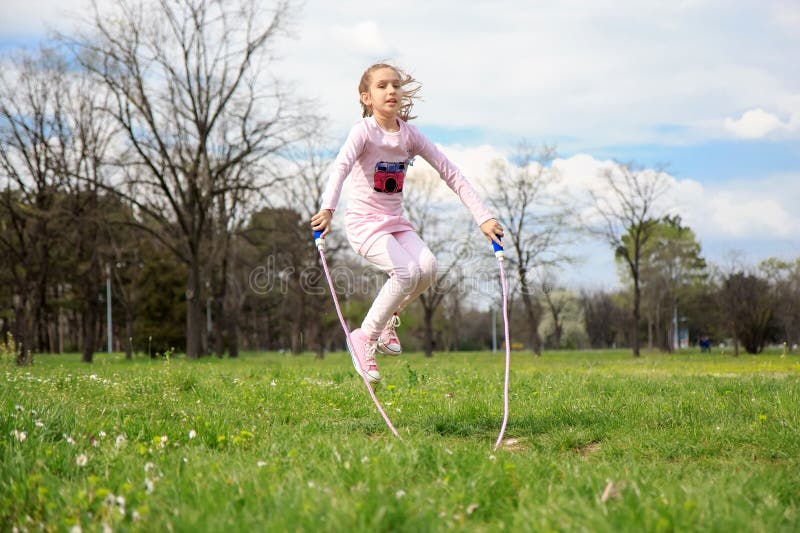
[[627, 213], [439, 234], [195, 116], [311, 163], [29, 110], [556, 301], [535, 224]]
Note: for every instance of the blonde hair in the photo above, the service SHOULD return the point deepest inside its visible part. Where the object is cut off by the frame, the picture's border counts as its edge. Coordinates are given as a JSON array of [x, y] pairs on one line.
[[410, 89]]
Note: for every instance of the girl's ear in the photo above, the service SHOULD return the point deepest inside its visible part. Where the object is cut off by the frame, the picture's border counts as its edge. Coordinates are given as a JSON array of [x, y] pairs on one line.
[[365, 99]]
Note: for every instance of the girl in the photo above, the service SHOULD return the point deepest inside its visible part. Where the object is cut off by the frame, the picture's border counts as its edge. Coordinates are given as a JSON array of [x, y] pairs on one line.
[[376, 155]]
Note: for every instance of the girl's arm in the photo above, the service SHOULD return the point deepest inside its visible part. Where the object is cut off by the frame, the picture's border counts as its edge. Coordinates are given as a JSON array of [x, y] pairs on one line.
[[348, 154], [451, 175]]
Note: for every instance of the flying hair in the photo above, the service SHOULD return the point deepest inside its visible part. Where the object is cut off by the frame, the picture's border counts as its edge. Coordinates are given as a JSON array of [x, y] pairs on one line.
[[410, 89]]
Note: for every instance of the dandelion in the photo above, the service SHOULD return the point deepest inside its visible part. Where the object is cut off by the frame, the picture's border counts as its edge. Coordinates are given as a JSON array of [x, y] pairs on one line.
[[67, 438], [81, 460], [18, 407], [192, 434], [400, 494], [261, 464], [471, 508], [76, 529], [148, 485], [39, 424], [148, 466], [135, 516], [120, 441], [272, 383], [492, 457], [19, 435], [102, 434]]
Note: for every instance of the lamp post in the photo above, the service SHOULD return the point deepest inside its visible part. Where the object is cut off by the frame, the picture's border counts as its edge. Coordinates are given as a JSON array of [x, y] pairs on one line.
[[108, 305]]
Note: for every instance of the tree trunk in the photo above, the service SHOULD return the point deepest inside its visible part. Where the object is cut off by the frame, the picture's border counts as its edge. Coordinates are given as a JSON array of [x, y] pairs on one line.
[[232, 323], [219, 319], [428, 326], [128, 334], [636, 314], [194, 313], [22, 333], [533, 320], [90, 322]]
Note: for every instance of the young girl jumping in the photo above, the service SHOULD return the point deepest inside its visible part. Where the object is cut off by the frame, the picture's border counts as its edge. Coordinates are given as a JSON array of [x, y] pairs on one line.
[[376, 155]]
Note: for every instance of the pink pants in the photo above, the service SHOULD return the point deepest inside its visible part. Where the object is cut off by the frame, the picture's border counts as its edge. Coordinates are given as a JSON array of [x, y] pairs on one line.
[[412, 269]]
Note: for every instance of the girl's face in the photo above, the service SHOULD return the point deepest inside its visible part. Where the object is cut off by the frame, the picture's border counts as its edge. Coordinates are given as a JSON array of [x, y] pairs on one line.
[[384, 92]]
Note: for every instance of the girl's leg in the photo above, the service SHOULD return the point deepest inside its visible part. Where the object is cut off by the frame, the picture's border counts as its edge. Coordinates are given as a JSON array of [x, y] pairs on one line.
[[404, 276], [417, 249]]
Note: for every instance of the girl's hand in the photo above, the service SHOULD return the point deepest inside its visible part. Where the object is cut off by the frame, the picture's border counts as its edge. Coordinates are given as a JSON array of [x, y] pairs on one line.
[[322, 221], [491, 228]]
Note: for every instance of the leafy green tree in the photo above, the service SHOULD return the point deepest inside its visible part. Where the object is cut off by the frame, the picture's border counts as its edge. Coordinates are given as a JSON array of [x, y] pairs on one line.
[[748, 308], [625, 214], [671, 262], [535, 223]]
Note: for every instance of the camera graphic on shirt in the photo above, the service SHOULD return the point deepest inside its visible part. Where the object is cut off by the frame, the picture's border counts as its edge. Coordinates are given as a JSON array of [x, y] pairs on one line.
[[389, 177]]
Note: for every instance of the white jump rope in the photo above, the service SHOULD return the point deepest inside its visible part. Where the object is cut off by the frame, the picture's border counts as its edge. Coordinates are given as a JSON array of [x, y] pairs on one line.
[[498, 252]]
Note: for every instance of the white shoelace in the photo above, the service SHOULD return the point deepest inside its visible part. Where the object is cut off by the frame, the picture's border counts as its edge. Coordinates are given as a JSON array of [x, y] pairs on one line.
[[369, 355]]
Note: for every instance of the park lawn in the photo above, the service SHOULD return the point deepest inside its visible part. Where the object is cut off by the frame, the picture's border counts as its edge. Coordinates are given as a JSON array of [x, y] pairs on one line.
[[596, 441]]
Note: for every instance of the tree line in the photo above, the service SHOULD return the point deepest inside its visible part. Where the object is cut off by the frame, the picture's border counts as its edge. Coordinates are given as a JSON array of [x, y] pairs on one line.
[[151, 151]]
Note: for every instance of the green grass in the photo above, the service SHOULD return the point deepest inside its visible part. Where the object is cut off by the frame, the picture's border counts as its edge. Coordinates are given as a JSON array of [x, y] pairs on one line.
[[598, 441]]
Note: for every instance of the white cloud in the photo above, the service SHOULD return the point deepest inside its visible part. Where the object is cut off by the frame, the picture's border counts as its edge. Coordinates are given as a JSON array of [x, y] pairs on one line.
[[720, 214], [364, 37], [583, 73], [754, 124]]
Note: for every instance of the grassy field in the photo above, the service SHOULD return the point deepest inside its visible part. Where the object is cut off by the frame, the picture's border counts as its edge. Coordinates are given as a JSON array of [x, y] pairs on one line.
[[597, 441]]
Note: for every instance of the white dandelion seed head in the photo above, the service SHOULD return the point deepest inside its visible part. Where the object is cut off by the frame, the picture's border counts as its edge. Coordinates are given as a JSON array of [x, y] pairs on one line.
[[102, 434], [19, 435], [261, 464], [82, 460], [148, 466], [192, 434], [400, 494], [148, 485]]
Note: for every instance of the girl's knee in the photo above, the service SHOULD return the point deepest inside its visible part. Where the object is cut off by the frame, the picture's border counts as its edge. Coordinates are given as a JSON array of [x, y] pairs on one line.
[[427, 269], [408, 276]]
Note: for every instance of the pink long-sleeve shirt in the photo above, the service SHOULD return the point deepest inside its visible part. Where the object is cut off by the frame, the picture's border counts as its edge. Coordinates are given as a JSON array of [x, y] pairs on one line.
[[371, 214]]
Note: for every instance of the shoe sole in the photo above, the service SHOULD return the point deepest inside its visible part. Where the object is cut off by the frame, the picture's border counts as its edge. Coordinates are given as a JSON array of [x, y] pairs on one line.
[[386, 351], [371, 379]]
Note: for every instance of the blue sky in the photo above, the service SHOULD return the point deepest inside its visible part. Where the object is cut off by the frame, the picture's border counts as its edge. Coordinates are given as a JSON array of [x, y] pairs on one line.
[[711, 87]]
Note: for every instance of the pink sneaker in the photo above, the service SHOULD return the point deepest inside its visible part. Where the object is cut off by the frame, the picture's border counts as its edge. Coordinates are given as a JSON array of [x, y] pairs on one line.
[[363, 355], [388, 342]]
